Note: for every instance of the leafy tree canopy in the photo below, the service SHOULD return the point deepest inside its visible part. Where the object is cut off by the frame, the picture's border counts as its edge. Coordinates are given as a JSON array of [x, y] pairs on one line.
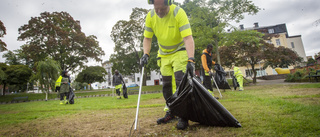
[[58, 36], [209, 20], [92, 74], [128, 37], [18, 74], [47, 73], [281, 57], [3, 45]]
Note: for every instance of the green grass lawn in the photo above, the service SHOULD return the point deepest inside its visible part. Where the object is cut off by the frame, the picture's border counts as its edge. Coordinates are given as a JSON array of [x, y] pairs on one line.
[[270, 110], [36, 96]]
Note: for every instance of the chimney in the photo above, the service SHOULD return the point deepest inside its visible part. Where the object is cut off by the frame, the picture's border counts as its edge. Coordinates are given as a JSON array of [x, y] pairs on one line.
[[241, 27], [256, 25]]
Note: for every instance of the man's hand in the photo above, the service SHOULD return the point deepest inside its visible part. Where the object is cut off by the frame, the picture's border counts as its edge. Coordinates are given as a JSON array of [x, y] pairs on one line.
[[190, 66], [144, 60], [210, 73]]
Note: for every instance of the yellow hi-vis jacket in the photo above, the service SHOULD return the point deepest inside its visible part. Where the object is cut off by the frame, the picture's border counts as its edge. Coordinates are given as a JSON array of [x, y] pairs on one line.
[[169, 30], [58, 82], [237, 72]]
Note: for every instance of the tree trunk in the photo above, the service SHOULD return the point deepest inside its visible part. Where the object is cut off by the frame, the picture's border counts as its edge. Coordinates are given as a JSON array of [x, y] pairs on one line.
[[46, 96], [4, 89], [254, 74], [217, 51]]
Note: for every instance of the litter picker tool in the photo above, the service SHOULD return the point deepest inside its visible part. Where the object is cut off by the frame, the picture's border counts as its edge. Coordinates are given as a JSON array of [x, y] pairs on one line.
[[216, 85], [137, 112]]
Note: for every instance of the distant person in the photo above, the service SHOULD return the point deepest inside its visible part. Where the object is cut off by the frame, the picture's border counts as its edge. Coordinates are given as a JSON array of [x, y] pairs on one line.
[[238, 75], [58, 84], [206, 69], [117, 82], [64, 88]]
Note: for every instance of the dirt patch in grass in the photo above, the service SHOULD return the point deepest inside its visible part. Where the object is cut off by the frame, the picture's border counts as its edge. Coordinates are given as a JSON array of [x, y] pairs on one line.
[[306, 101], [117, 122]]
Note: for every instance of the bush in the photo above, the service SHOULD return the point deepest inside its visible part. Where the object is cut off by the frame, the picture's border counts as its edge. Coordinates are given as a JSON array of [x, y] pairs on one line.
[[298, 76]]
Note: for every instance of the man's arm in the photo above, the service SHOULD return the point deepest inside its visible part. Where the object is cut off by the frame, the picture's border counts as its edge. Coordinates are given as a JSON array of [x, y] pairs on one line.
[[188, 41], [147, 45], [204, 63]]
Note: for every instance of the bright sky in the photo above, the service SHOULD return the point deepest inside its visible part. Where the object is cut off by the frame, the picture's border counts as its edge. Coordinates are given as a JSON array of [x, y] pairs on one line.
[[97, 17]]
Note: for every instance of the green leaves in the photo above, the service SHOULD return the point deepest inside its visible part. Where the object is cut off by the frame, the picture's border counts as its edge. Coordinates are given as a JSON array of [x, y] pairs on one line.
[[59, 36], [3, 32], [128, 38], [92, 74], [47, 73]]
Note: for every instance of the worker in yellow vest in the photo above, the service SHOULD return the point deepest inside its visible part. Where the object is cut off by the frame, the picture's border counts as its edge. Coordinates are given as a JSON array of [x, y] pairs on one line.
[[58, 84], [170, 24], [117, 82], [64, 88], [238, 74]]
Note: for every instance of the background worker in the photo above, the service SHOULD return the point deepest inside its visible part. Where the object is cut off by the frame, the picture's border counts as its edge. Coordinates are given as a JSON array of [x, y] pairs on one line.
[[239, 76], [117, 81], [207, 63], [64, 88], [170, 24], [58, 84]]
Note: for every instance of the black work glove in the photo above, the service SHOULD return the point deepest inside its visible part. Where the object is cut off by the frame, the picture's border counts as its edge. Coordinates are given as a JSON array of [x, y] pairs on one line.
[[190, 66], [144, 60]]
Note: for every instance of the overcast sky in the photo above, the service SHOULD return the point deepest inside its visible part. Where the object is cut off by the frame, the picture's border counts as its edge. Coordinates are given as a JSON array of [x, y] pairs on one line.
[[97, 17]]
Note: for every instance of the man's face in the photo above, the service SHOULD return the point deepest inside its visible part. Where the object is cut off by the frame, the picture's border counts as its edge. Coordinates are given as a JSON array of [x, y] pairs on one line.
[[209, 49], [161, 9]]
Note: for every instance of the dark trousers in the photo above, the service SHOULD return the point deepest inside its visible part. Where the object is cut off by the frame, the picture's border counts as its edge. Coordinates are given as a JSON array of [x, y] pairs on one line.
[[167, 83], [57, 89], [207, 82], [64, 94]]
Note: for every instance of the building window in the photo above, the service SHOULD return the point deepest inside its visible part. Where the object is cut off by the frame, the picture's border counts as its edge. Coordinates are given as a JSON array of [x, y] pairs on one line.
[[133, 79], [278, 42], [138, 79], [148, 77], [269, 41], [249, 72], [271, 31], [292, 45]]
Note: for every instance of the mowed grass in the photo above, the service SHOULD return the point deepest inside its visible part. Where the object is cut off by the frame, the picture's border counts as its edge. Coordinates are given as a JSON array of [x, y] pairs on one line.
[[269, 110]]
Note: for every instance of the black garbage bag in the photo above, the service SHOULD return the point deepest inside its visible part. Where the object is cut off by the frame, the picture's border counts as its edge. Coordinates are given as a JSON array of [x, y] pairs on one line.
[[71, 96], [192, 101], [235, 82], [220, 78], [125, 93]]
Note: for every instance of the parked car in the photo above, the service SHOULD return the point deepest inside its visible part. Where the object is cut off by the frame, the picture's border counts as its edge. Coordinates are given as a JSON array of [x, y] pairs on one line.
[[132, 85]]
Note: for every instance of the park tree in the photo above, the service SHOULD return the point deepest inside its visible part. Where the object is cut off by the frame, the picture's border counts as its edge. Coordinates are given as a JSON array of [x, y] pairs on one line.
[[3, 45], [11, 58], [311, 61], [92, 74], [281, 57], [17, 57], [58, 36], [18, 75], [316, 55], [3, 77], [128, 37], [47, 74], [209, 20], [243, 48]]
